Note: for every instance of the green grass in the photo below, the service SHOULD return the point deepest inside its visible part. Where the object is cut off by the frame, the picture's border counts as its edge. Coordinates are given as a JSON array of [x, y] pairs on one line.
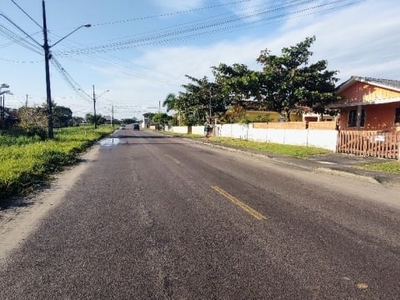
[[290, 150], [27, 162], [387, 167]]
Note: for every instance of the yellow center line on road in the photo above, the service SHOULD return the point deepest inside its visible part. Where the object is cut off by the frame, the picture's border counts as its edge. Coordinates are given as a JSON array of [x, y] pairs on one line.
[[173, 159], [242, 205]]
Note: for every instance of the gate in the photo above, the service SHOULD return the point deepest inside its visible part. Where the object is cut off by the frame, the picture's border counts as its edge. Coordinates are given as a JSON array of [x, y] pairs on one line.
[[370, 143]]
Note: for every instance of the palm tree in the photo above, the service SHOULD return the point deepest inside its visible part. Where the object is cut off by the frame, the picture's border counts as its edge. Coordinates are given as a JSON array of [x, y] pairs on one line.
[[170, 102]]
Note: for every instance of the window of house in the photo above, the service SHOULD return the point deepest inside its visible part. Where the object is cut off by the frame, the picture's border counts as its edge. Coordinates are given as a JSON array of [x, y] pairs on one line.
[[352, 121], [397, 116]]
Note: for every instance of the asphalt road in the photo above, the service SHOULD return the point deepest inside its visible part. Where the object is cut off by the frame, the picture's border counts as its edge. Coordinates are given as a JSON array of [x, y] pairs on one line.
[[154, 217]]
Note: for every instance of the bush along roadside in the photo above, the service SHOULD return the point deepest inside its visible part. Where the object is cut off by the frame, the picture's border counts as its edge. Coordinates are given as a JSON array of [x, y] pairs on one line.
[[27, 163]]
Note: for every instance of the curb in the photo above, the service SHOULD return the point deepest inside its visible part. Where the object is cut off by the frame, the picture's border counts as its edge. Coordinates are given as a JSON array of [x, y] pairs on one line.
[[350, 172]]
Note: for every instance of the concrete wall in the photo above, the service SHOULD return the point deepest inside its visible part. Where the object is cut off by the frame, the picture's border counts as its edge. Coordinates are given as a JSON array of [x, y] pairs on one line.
[[179, 129], [187, 130], [326, 139]]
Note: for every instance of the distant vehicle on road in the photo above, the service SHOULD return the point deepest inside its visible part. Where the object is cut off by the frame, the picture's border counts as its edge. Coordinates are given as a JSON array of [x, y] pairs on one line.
[[122, 127], [136, 126]]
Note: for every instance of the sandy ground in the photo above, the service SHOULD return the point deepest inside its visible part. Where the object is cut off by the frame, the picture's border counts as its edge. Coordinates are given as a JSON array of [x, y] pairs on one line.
[[18, 222]]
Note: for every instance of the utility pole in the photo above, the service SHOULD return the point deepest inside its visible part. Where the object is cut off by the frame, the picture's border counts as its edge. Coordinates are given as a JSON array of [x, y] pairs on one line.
[[2, 108], [209, 105], [46, 48], [94, 108], [112, 115], [47, 57]]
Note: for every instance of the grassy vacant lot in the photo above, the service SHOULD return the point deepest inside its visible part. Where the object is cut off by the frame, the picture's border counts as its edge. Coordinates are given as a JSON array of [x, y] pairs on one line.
[[389, 166], [27, 162]]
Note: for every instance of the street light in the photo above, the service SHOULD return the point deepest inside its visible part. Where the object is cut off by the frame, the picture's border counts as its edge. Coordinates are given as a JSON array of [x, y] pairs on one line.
[[76, 29], [47, 57]]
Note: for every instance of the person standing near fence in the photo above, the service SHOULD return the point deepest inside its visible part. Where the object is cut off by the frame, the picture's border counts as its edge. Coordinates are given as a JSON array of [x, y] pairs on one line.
[[207, 131]]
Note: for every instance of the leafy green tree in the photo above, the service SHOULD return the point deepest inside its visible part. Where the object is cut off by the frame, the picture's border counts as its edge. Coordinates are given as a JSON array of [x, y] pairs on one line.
[[201, 100], [291, 83], [238, 82], [99, 119], [62, 116], [161, 119], [130, 121], [147, 118], [76, 121], [170, 102]]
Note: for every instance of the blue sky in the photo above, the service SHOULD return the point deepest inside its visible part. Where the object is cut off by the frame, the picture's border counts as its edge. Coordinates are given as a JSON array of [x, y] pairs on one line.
[[136, 52]]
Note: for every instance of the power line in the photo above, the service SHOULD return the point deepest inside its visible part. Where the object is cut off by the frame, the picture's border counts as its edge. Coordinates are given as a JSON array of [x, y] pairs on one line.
[[20, 40], [68, 78], [217, 26], [40, 26], [170, 14], [21, 61], [20, 29]]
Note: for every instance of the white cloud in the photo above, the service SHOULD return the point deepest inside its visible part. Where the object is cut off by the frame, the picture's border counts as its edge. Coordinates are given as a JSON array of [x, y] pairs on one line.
[[178, 5], [358, 40]]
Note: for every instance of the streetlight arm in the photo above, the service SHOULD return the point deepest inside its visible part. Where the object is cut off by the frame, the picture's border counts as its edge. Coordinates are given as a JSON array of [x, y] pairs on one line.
[[76, 29], [102, 94]]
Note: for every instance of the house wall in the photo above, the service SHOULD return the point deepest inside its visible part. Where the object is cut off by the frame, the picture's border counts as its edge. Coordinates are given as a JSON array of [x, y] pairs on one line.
[[377, 117], [326, 139], [378, 114], [364, 92], [324, 125]]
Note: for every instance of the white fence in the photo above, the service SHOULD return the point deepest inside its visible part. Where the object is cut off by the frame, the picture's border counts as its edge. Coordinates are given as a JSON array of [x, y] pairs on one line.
[[326, 139]]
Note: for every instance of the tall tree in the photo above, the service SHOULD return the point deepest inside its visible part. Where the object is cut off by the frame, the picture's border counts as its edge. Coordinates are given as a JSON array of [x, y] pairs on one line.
[[62, 116], [170, 102], [292, 84], [161, 119], [201, 100], [238, 82], [99, 119]]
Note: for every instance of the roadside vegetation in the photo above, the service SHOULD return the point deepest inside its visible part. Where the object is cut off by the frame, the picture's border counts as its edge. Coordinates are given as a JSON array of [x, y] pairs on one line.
[[289, 150], [29, 161], [392, 166], [388, 166]]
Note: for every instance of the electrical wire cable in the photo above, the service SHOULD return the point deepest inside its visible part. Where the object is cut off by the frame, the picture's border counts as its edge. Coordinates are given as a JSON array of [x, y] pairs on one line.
[[25, 43], [21, 9], [219, 26], [68, 78], [170, 14]]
